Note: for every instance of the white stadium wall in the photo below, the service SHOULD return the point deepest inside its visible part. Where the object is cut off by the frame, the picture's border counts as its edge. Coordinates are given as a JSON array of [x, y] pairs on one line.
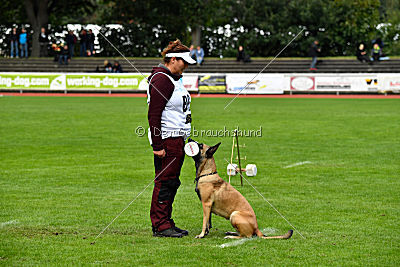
[[246, 83]]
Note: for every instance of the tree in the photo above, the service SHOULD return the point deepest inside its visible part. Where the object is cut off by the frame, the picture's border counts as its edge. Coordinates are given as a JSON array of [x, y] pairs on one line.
[[264, 27], [38, 13], [38, 16], [204, 13]]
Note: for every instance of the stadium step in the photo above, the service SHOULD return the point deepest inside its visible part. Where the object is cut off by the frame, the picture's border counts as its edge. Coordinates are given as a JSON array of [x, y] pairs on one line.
[[144, 65]]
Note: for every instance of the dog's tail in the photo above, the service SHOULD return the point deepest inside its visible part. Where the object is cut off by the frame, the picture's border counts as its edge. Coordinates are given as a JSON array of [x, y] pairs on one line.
[[285, 236]]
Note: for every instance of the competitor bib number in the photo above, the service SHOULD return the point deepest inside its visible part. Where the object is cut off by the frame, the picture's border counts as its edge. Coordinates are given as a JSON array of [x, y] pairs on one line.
[[188, 118], [186, 102]]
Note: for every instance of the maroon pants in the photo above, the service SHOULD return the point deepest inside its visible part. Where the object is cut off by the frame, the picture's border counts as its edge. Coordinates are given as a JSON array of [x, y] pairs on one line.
[[167, 183]]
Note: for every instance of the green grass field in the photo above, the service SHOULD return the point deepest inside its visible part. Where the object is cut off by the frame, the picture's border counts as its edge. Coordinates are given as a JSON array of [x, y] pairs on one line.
[[69, 165]]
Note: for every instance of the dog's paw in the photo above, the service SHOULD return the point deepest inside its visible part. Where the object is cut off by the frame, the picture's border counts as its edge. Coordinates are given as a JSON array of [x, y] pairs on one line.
[[200, 236]]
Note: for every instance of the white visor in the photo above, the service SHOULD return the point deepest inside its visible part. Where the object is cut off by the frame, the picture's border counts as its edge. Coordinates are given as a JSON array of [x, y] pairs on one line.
[[183, 55]]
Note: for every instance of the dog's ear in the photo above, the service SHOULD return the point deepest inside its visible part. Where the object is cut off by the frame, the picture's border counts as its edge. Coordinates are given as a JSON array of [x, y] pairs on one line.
[[210, 152]]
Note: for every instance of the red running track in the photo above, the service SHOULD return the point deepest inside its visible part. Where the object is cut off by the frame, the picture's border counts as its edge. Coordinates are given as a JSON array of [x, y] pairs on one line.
[[206, 95]]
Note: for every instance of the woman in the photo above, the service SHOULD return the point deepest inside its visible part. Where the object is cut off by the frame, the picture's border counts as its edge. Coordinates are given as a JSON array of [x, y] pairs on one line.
[[169, 120]]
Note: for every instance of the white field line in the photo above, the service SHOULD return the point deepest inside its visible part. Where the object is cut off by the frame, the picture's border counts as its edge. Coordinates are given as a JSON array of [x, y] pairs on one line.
[[269, 203], [266, 231], [8, 223], [269, 231], [66, 167], [236, 242], [297, 164]]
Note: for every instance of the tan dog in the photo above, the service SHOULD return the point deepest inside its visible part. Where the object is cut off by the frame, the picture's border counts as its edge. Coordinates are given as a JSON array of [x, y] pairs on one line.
[[221, 198]]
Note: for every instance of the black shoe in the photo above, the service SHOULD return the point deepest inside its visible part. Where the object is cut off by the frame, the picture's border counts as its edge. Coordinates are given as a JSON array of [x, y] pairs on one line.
[[168, 233], [183, 232]]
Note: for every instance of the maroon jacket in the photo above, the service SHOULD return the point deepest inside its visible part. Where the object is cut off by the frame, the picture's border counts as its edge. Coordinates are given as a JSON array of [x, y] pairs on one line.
[[161, 89]]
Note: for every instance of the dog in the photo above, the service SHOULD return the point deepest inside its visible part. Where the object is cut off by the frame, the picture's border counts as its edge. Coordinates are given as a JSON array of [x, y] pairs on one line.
[[221, 198]]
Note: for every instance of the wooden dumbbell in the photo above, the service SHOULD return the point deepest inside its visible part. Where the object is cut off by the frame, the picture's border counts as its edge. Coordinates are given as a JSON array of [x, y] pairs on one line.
[[251, 169]]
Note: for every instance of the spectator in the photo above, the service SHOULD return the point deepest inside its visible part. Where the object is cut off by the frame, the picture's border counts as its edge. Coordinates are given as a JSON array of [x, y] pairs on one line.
[[192, 52], [313, 52], [117, 67], [242, 56], [107, 66], [56, 48], [90, 42], [376, 52], [379, 42], [362, 54], [64, 55], [199, 55], [83, 41], [23, 41], [71, 41], [43, 41], [14, 42]]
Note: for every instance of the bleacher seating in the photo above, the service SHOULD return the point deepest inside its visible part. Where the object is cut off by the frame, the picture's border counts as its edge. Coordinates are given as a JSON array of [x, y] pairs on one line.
[[211, 65]]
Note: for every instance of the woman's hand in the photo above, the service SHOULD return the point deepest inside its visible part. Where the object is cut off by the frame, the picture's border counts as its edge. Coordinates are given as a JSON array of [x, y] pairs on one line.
[[160, 153]]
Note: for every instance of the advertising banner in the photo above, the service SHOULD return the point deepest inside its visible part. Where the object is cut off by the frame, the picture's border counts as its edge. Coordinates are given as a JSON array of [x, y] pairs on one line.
[[246, 83], [61, 81], [212, 83], [28, 80], [119, 81], [302, 83], [334, 82], [190, 81], [255, 84], [368, 82], [390, 82]]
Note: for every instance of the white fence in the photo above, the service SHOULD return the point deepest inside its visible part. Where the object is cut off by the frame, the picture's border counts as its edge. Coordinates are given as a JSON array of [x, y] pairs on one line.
[[246, 83]]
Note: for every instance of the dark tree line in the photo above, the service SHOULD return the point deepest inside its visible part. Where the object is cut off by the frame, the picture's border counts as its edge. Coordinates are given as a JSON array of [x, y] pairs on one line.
[[264, 27]]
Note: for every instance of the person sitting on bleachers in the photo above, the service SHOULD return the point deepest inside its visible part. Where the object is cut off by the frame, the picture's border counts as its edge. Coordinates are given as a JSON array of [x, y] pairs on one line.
[[362, 54], [64, 53], [199, 55], [376, 52], [242, 56], [107, 66], [55, 51], [117, 67]]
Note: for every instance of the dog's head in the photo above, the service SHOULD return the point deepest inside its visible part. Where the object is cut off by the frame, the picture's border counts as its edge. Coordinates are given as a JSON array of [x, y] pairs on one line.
[[204, 157]]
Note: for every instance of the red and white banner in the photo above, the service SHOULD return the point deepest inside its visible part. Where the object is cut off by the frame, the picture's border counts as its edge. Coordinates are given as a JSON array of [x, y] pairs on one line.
[[302, 83], [390, 82], [190, 81]]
